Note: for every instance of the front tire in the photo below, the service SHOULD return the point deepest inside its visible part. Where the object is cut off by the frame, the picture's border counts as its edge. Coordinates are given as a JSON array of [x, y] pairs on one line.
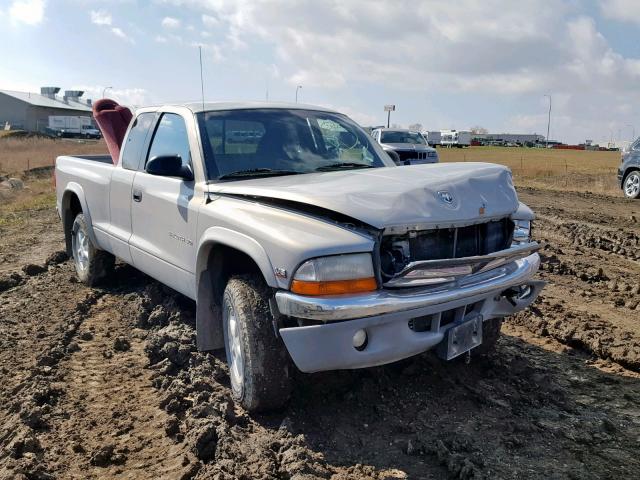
[[92, 264], [258, 360], [631, 185]]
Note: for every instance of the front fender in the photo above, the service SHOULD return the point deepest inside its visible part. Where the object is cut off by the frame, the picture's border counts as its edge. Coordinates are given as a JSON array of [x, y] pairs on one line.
[[225, 236], [209, 334]]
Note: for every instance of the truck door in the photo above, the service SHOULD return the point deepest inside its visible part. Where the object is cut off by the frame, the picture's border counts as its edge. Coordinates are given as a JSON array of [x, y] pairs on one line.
[[164, 212], [122, 183]]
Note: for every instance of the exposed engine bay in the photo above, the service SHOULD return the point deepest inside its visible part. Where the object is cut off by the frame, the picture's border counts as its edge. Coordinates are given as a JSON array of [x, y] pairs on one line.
[[397, 251]]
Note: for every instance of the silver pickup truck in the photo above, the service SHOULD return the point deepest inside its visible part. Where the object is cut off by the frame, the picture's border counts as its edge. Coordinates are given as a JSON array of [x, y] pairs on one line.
[[300, 239]]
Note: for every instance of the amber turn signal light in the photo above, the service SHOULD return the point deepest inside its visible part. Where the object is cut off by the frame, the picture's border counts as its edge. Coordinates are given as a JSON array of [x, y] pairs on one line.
[[334, 287]]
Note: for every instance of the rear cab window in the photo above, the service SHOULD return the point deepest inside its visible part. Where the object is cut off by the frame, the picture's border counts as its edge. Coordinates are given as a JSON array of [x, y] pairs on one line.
[[132, 151]]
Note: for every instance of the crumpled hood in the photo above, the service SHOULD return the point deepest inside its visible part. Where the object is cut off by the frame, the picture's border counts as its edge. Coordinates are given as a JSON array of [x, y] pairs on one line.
[[396, 196]]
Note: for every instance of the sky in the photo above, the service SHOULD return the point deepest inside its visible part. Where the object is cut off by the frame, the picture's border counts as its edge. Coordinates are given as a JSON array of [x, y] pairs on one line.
[[444, 64]]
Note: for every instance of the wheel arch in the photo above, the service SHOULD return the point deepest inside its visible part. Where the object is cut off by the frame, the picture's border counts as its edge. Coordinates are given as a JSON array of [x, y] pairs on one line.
[[221, 254], [628, 170], [74, 202]]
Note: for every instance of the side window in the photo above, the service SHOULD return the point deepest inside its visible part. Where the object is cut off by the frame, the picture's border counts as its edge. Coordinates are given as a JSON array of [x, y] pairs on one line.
[[171, 138], [132, 150]]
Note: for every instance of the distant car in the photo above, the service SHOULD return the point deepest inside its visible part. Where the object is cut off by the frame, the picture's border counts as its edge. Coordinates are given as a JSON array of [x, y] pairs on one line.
[[629, 170], [89, 131], [405, 147]]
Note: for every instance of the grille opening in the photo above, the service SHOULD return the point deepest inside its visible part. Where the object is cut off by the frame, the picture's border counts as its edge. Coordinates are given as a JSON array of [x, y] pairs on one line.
[[411, 155], [396, 251]]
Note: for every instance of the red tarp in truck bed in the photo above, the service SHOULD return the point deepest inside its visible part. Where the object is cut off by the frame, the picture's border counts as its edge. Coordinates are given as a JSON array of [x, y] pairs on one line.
[[113, 120]]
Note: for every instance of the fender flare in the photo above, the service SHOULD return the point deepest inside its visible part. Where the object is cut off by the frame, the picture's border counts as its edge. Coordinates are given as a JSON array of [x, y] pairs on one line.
[[209, 334], [76, 189]]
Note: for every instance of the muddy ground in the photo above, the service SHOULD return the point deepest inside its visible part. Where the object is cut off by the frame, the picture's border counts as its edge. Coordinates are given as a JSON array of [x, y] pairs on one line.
[[106, 383]]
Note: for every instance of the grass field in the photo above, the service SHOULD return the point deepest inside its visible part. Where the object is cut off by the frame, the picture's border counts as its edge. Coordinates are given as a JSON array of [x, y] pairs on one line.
[[549, 169], [20, 154]]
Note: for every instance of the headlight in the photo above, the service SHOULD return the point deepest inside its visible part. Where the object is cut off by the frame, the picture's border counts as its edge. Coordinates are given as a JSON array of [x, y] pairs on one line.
[[522, 231], [334, 275]]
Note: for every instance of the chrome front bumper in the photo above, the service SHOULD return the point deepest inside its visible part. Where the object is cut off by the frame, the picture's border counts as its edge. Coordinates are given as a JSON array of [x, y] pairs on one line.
[[346, 307], [385, 314]]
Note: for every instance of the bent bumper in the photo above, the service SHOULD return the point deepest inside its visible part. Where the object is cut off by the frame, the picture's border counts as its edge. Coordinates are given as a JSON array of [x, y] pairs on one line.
[[385, 315]]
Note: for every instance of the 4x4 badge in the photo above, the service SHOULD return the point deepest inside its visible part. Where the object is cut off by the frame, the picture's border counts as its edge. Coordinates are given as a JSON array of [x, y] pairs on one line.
[[446, 197]]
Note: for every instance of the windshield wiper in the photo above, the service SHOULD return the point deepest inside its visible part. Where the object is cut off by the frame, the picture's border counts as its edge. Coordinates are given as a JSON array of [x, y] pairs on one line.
[[257, 172], [342, 165]]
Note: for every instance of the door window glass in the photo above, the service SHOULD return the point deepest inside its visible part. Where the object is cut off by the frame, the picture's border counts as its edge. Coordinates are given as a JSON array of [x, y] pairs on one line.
[[132, 150], [171, 138]]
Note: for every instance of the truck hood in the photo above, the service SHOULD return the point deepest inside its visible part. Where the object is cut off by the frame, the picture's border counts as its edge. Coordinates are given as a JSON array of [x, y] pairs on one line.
[[416, 196], [407, 146]]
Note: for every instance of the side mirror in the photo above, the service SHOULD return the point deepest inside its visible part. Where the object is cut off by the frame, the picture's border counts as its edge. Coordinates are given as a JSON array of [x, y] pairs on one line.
[[169, 166]]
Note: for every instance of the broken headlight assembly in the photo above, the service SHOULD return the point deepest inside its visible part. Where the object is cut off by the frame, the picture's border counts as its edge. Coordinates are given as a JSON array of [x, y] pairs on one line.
[[522, 231]]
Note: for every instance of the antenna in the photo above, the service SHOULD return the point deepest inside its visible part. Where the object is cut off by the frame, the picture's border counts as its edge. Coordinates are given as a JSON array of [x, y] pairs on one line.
[[201, 79]]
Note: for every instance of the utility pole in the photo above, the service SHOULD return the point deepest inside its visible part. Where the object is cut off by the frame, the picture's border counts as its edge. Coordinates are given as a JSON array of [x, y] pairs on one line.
[[297, 88], [548, 120]]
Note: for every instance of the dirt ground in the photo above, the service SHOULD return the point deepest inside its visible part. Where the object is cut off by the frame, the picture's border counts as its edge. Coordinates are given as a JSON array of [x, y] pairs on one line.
[[107, 383]]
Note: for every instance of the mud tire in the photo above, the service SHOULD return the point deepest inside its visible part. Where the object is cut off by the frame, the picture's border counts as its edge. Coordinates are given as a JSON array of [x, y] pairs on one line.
[[265, 382], [490, 335], [99, 264]]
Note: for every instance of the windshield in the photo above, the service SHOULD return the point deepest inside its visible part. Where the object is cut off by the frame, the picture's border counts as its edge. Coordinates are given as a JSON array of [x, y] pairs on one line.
[[402, 137], [261, 142]]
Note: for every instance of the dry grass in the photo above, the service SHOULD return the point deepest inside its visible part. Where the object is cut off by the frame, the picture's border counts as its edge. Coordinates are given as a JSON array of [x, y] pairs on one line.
[[549, 169], [20, 154], [16, 205]]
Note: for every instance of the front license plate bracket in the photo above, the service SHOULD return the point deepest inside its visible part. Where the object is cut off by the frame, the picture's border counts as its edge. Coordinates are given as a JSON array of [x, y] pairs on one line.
[[461, 338]]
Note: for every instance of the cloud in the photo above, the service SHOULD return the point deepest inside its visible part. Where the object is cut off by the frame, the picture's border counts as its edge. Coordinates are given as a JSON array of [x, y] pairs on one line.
[[100, 17], [210, 21], [117, 31], [621, 10], [29, 12], [171, 23], [133, 97], [508, 51]]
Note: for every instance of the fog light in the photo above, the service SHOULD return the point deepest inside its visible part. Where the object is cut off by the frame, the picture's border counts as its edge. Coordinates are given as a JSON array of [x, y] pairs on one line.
[[360, 340]]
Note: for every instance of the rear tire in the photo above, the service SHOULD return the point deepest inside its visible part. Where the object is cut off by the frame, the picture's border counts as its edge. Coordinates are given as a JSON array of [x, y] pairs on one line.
[[631, 185], [92, 264], [490, 335], [259, 365]]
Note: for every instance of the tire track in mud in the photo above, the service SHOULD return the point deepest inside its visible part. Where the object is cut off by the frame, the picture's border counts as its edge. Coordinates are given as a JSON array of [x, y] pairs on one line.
[[37, 333]]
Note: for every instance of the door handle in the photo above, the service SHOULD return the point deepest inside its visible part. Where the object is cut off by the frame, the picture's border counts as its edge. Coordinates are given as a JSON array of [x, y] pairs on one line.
[[137, 195]]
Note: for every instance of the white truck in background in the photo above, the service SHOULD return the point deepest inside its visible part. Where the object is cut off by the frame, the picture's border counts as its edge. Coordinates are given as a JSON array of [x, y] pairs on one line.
[[455, 138], [72, 126], [433, 138]]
